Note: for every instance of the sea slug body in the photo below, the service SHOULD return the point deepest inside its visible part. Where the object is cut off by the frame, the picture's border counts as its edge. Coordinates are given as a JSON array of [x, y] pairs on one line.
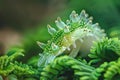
[[77, 34]]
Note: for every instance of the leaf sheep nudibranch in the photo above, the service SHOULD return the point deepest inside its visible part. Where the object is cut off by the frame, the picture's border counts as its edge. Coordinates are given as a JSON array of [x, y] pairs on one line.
[[77, 34]]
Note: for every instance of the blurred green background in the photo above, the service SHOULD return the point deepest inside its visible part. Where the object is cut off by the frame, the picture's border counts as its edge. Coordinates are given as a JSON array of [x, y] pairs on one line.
[[23, 22]]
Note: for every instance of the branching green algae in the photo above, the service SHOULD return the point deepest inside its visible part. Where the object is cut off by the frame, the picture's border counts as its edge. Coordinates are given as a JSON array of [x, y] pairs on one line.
[[8, 65]]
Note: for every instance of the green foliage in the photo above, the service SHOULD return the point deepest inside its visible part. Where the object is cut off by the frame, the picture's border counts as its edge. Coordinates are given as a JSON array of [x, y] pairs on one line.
[[23, 69], [109, 71], [113, 70], [5, 61], [8, 65], [105, 50], [60, 65]]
